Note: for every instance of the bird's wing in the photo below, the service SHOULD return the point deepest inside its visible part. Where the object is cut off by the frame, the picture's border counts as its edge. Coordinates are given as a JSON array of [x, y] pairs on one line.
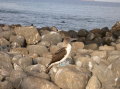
[[59, 55]]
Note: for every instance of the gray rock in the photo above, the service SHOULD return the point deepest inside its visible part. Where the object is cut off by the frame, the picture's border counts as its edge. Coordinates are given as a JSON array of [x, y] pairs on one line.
[[6, 34], [37, 83], [42, 60], [16, 78], [37, 70], [23, 62], [82, 33], [37, 49], [30, 33], [4, 42], [90, 36], [52, 37]]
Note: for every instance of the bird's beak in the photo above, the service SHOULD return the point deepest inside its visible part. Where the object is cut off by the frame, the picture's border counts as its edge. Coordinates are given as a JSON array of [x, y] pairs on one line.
[[73, 39]]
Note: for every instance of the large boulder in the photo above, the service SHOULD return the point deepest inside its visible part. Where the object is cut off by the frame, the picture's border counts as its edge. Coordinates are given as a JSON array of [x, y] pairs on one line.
[[4, 42], [37, 83], [52, 38], [70, 77], [37, 49], [30, 33]]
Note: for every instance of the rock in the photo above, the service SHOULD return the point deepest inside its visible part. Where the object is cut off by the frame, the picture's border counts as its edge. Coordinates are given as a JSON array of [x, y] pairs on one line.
[[37, 83], [22, 51], [18, 39], [72, 34], [116, 67], [5, 85], [117, 46], [30, 33], [5, 62], [52, 37], [116, 34], [44, 43], [44, 30], [104, 30], [82, 33], [6, 34], [16, 78], [106, 48], [93, 83], [15, 45], [101, 54], [96, 31], [104, 73], [53, 28], [82, 61], [81, 39], [4, 42], [92, 46], [6, 27], [23, 62], [37, 49], [69, 77], [116, 26], [42, 60], [37, 70], [77, 45], [112, 58], [90, 36]]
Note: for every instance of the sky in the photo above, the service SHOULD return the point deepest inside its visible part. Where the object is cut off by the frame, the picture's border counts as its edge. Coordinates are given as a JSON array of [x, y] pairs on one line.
[[109, 0]]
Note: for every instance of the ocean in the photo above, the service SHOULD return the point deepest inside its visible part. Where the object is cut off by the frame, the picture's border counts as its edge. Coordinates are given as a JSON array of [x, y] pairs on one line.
[[65, 15]]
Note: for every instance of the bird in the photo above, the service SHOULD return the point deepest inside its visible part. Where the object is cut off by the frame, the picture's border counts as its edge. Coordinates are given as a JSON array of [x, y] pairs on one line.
[[62, 54]]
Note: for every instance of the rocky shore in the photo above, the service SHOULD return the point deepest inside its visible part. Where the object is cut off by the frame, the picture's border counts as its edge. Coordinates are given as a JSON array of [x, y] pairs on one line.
[[25, 52]]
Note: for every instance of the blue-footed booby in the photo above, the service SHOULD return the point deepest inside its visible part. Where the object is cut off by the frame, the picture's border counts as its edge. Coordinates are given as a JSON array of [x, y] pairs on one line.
[[62, 54]]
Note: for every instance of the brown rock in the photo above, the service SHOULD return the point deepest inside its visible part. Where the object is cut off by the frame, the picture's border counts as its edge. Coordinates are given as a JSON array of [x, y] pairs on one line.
[[5, 85], [101, 54], [77, 45], [90, 36], [117, 46], [37, 49], [72, 34], [52, 38], [5, 62], [30, 33], [92, 46], [22, 51], [4, 42], [82, 33], [106, 48], [116, 26], [69, 77], [54, 49], [93, 83], [37, 83]]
